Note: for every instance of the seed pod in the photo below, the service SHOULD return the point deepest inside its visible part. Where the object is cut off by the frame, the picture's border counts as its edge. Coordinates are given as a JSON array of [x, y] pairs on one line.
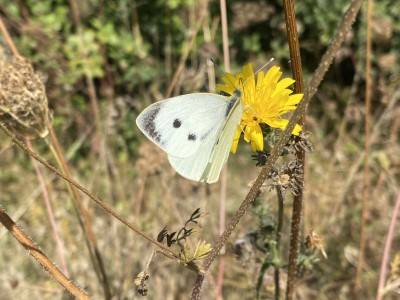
[[23, 101]]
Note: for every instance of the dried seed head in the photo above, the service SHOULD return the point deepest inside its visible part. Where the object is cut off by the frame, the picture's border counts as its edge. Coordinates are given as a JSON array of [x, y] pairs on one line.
[[23, 101], [314, 241], [296, 143], [141, 283], [289, 176]]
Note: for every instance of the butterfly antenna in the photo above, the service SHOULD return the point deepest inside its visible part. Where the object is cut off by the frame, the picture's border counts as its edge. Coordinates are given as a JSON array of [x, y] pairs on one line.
[[220, 71], [241, 82], [266, 64], [256, 72]]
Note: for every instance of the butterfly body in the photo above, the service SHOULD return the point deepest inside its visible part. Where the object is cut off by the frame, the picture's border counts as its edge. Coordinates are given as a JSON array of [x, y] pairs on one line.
[[195, 130]]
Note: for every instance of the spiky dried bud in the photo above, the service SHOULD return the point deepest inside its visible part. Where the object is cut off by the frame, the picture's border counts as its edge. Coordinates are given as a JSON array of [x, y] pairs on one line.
[[298, 143], [23, 101], [288, 177], [314, 241], [141, 283]]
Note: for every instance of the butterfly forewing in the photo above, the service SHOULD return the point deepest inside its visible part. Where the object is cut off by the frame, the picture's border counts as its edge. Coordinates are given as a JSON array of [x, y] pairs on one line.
[[180, 125]]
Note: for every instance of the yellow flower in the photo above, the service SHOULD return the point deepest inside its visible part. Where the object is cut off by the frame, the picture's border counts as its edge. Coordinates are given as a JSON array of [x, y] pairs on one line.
[[264, 101]]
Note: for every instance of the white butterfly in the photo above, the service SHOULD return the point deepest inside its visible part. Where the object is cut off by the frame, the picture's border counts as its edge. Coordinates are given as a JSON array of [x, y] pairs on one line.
[[195, 130]]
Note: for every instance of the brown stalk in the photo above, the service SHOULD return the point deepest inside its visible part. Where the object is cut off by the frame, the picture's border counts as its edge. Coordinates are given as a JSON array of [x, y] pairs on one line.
[[39, 256], [367, 147], [386, 252], [188, 46], [8, 38], [295, 59], [91, 240], [50, 213], [81, 211], [83, 217], [224, 173], [353, 169], [326, 60]]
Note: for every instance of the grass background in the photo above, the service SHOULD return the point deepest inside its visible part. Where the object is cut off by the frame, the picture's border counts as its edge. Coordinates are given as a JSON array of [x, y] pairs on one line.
[[130, 51]]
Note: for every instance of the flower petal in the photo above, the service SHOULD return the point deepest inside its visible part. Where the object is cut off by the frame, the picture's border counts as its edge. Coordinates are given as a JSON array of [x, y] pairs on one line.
[[257, 139], [236, 138]]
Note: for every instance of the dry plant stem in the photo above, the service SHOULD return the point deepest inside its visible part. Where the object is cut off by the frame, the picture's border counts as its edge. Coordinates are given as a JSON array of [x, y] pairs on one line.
[[356, 165], [295, 58], [281, 202], [167, 251], [224, 174], [56, 273], [367, 146], [94, 102], [225, 39], [81, 212], [388, 246], [188, 45], [50, 213], [83, 218], [39, 256], [60, 157], [8, 38], [326, 60], [354, 168], [88, 232]]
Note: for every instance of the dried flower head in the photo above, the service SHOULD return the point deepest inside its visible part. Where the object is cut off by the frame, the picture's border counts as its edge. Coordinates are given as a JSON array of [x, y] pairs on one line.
[[314, 241], [288, 177], [23, 101], [298, 143], [141, 283]]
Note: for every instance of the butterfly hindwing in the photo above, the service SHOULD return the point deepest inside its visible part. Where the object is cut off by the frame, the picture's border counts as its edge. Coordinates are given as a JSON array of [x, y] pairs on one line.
[[222, 149], [210, 157], [193, 167]]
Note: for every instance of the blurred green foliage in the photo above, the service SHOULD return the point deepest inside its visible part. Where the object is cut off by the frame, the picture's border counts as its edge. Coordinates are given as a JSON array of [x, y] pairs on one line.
[[131, 48], [45, 32]]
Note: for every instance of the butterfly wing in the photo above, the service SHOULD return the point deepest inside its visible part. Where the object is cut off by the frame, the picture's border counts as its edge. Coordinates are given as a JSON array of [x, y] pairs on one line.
[[193, 167], [180, 125], [206, 164], [222, 149]]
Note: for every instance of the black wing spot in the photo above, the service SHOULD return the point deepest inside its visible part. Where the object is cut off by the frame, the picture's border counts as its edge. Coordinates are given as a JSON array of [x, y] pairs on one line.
[[192, 137], [177, 123]]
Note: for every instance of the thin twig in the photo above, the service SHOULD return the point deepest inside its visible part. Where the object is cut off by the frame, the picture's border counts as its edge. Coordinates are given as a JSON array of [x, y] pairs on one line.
[[86, 192], [50, 213], [39, 256], [388, 246], [188, 46], [367, 146], [281, 202], [8, 38], [326, 60], [82, 216], [224, 173]]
